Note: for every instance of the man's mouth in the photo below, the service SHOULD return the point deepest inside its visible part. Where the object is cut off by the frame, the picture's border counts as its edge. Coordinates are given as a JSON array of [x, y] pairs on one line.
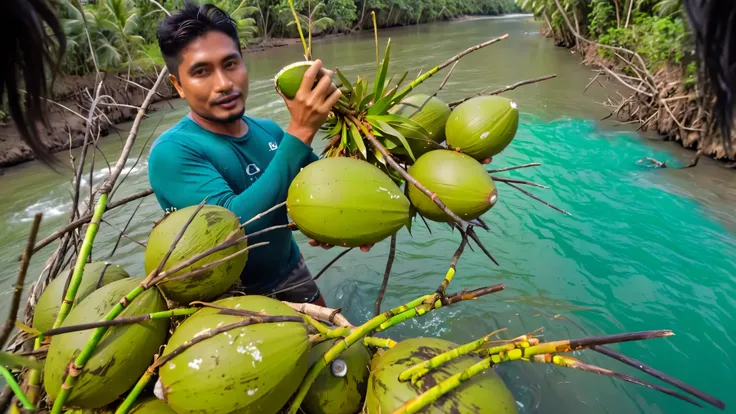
[[229, 101]]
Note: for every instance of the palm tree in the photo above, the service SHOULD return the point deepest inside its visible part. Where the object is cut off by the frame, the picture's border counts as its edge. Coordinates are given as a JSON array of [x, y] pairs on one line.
[[313, 20]]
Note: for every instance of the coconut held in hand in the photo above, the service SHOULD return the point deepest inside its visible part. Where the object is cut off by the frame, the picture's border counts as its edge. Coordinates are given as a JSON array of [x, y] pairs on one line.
[[482, 126], [459, 181], [289, 79]]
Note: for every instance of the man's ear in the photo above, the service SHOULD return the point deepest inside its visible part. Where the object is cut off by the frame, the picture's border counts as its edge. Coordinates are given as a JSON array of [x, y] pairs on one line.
[[174, 81]]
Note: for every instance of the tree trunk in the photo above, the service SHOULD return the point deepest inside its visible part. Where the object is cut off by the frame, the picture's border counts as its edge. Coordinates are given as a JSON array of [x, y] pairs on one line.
[[628, 15], [362, 16], [618, 15]]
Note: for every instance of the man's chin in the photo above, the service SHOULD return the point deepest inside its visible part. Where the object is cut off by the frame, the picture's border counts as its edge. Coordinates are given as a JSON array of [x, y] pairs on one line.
[[225, 118]]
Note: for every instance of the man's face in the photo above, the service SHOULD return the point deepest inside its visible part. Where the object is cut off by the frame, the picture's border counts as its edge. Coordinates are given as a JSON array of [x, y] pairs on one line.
[[213, 78]]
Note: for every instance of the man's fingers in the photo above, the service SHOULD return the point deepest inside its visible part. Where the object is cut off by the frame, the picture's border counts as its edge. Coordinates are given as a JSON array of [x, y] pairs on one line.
[[366, 247], [487, 160], [309, 76], [320, 91], [332, 99]]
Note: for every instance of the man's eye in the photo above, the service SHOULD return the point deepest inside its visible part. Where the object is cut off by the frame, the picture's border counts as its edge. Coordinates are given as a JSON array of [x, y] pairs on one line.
[[230, 64], [199, 72]]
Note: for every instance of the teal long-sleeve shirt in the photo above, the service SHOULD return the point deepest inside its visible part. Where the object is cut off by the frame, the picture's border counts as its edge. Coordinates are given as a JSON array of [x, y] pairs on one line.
[[247, 175]]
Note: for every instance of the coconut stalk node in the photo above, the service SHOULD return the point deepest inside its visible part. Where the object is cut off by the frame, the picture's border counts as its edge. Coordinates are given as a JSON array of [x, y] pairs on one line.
[[482, 126], [211, 226], [346, 202], [484, 393], [459, 180], [122, 355], [251, 369], [340, 389], [95, 275]]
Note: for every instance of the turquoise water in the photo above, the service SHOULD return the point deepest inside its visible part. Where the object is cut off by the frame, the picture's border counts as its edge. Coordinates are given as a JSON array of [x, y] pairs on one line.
[[644, 248]]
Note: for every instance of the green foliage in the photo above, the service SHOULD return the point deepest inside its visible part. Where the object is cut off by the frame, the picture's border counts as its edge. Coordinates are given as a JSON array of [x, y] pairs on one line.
[[602, 17], [658, 40]]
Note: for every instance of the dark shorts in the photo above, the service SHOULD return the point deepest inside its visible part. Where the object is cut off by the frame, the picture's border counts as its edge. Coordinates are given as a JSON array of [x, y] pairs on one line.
[[304, 291]]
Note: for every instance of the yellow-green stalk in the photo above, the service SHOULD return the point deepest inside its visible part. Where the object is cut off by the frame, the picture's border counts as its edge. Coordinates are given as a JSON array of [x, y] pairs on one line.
[[307, 52], [10, 380], [379, 342], [319, 326], [75, 368], [375, 35], [357, 334], [431, 395], [422, 368], [127, 404]]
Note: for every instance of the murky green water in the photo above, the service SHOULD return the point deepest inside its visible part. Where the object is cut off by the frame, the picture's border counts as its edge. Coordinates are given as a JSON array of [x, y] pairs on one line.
[[644, 248]]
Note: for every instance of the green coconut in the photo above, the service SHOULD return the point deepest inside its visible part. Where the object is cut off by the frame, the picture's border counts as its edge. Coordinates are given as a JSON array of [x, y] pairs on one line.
[[151, 405], [459, 181], [122, 355], [346, 202], [289, 79], [95, 275], [211, 226], [482, 126], [484, 393], [253, 369], [432, 117], [339, 389]]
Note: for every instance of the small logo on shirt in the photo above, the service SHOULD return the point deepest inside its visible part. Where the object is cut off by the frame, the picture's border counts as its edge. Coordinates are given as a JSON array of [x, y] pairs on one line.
[[273, 146], [252, 169]]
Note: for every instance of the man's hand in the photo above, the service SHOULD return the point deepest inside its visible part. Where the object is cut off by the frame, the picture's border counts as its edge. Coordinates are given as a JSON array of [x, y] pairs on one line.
[[315, 243], [310, 107]]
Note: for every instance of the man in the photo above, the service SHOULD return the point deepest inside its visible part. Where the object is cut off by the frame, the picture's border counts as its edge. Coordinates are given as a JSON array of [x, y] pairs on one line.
[[241, 163]]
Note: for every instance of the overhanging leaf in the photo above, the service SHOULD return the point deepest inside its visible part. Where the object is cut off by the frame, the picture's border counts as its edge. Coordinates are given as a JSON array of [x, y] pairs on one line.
[[27, 329], [382, 71], [382, 105], [12, 361]]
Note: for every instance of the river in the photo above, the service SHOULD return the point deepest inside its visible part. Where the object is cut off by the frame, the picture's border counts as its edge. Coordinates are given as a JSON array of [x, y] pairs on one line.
[[645, 248]]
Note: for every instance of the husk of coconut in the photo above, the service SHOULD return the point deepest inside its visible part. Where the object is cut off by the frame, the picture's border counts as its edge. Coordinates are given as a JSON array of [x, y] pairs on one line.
[[151, 405], [346, 202], [432, 117], [95, 275], [340, 388], [122, 355], [459, 181], [253, 369], [484, 393], [210, 227], [482, 126], [289, 79]]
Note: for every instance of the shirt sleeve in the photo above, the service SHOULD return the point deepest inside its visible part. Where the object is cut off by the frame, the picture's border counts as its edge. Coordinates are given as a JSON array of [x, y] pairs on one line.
[[181, 177]]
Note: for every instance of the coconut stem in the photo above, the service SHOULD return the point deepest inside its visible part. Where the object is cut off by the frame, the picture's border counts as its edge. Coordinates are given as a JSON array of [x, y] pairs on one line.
[[10, 380], [120, 321], [515, 167], [20, 281], [386, 274], [528, 194], [568, 362], [453, 264], [132, 396], [418, 370], [319, 326], [518, 181], [502, 90], [330, 334], [416, 82], [356, 335], [427, 305], [379, 342]]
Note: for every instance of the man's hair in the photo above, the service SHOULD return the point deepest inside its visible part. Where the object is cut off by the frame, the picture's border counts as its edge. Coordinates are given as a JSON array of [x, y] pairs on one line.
[[175, 32], [714, 28]]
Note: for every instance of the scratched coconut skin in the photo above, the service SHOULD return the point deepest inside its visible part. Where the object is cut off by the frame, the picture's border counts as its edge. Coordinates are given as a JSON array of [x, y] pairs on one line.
[[346, 202], [253, 369], [485, 393], [122, 355]]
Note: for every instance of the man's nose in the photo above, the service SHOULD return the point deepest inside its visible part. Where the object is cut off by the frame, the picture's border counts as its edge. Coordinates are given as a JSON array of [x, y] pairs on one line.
[[222, 82]]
